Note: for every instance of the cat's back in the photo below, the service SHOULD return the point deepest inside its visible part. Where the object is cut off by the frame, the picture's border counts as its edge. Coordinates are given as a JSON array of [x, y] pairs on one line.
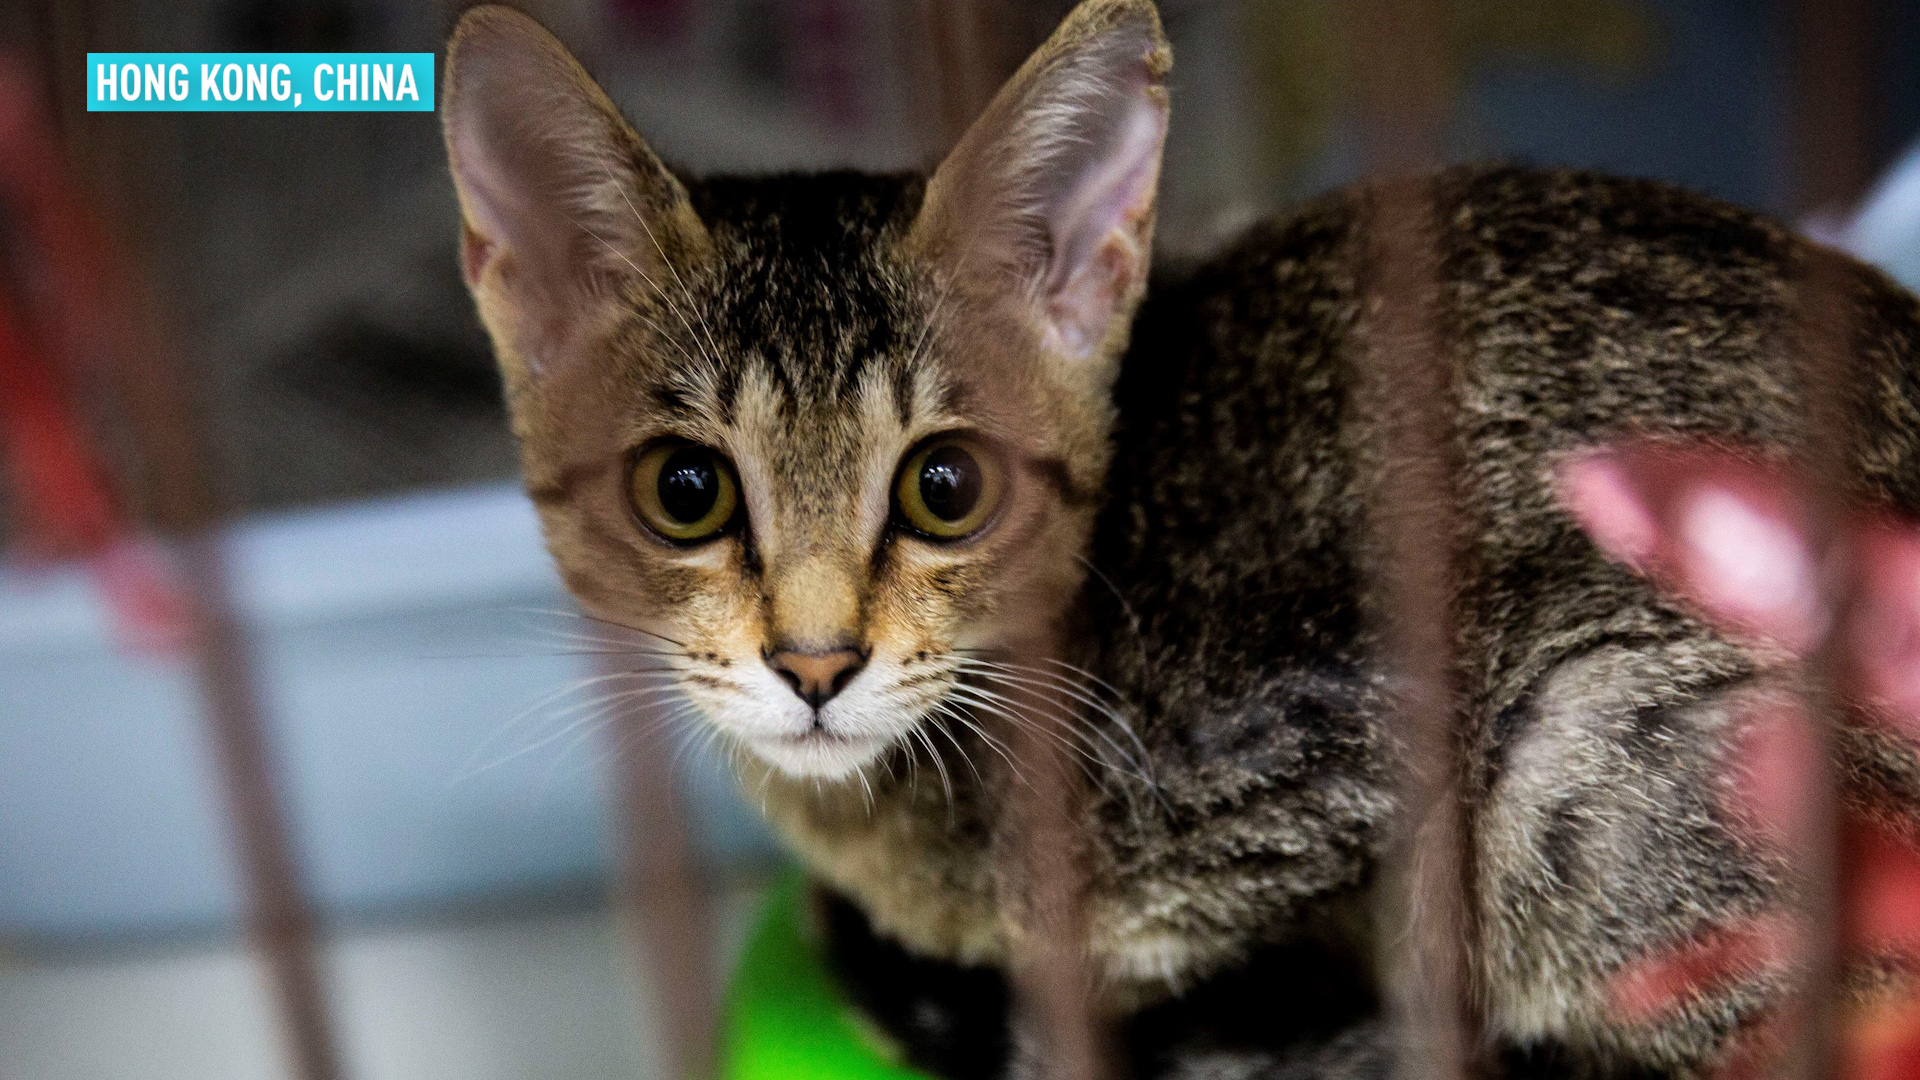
[[1581, 309], [1575, 308]]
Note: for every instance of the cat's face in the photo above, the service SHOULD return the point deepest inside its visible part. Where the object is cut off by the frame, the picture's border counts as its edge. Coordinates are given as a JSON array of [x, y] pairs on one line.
[[833, 441], [821, 503]]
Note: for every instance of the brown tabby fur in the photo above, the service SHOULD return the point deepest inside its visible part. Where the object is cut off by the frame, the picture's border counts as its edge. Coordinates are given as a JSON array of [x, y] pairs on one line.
[[1188, 505]]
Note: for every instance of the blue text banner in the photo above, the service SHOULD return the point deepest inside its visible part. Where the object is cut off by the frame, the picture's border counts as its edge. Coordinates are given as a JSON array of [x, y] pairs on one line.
[[260, 82]]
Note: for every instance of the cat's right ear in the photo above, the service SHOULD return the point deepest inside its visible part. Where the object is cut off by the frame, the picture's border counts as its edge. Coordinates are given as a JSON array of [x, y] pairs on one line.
[[566, 210], [1049, 197]]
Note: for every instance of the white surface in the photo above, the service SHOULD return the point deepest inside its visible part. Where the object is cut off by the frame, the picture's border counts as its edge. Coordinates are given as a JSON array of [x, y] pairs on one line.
[[197, 1015], [549, 997], [1886, 230], [397, 650], [444, 549]]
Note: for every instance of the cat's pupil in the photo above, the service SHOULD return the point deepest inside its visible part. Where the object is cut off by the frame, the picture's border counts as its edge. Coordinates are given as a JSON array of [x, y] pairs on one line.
[[950, 483], [689, 485]]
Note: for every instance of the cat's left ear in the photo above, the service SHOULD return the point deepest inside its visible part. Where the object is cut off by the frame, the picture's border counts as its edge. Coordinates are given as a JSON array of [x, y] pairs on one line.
[[1050, 194], [567, 212]]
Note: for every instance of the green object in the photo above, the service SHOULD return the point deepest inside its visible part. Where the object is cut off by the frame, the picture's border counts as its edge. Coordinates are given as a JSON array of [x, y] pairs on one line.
[[786, 1018]]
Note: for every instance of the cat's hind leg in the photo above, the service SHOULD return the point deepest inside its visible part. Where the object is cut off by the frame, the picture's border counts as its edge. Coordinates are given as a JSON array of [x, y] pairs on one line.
[[1607, 838]]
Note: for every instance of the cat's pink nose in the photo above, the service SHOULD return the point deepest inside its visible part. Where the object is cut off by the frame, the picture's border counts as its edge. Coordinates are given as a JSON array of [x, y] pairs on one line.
[[816, 677]]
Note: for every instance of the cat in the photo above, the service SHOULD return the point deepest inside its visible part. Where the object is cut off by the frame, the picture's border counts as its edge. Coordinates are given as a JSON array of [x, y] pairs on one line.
[[865, 456]]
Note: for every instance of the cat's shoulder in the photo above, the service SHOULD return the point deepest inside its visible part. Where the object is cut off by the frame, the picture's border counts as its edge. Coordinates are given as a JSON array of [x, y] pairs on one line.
[[1520, 244]]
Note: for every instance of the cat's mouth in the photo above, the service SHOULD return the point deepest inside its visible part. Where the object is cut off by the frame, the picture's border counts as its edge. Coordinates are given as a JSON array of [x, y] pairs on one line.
[[818, 752]]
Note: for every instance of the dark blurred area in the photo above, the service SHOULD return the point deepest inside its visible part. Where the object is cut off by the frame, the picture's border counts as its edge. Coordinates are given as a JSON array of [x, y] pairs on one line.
[[308, 264], [301, 272]]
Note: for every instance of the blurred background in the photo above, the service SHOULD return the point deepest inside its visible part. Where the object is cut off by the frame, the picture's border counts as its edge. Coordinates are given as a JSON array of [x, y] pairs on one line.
[[334, 760]]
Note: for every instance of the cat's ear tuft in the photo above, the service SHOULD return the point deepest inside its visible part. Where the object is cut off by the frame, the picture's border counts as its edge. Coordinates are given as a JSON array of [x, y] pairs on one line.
[[564, 205], [1053, 186]]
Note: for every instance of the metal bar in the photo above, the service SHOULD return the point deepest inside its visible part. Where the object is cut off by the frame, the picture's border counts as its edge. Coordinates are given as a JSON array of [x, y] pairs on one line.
[[1397, 54], [1823, 334], [970, 47], [153, 384], [964, 84], [279, 917], [1839, 60], [1405, 385], [1059, 1032], [667, 895]]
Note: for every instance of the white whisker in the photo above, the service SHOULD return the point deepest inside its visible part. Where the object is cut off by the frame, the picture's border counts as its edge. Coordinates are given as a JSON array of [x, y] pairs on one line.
[[1035, 678], [940, 766], [712, 345], [596, 709], [468, 767]]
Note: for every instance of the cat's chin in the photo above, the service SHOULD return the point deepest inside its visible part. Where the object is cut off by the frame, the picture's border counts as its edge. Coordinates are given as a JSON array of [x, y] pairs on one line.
[[818, 755]]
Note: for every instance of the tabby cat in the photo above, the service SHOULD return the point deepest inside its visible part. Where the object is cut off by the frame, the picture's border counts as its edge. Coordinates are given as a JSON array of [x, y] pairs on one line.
[[855, 447]]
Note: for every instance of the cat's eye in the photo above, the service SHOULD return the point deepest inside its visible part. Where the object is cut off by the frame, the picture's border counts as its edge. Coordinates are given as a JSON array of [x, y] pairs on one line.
[[948, 488], [683, 491]]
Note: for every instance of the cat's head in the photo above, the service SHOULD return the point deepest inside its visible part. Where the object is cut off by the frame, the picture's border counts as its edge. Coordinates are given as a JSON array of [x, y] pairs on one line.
[[834, 437]]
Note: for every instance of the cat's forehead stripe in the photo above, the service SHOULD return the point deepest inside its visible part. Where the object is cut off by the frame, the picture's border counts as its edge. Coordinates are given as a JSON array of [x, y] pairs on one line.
[[803, 288], [903, 395], [671, 399]]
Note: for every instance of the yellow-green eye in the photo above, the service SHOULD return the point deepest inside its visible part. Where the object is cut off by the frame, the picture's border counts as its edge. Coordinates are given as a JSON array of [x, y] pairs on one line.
[[949, 487], [683, 491]]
